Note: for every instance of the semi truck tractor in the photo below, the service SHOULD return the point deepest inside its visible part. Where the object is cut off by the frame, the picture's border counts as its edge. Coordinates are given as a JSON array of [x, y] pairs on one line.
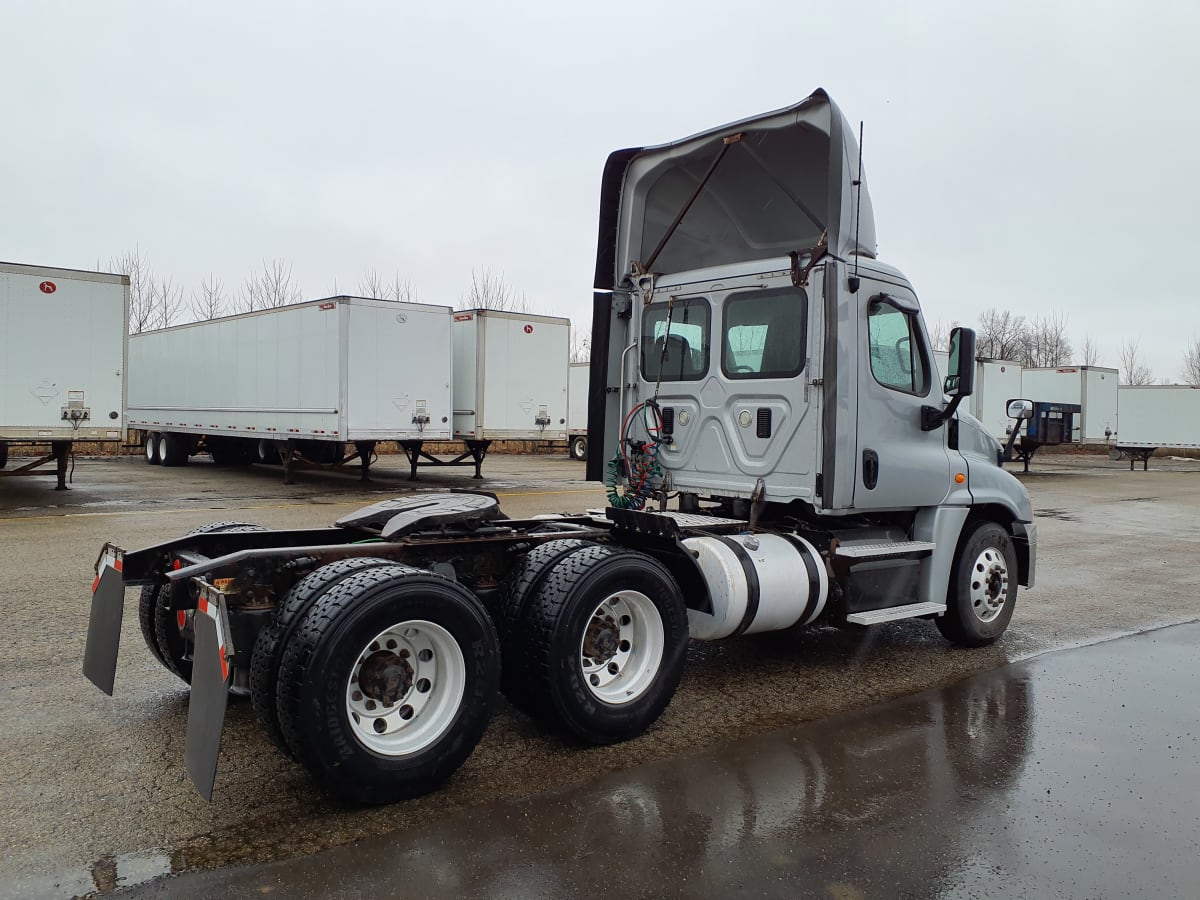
[[778, 453]]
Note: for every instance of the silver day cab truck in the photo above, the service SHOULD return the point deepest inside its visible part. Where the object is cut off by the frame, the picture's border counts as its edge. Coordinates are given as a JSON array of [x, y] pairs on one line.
[[777, 450]]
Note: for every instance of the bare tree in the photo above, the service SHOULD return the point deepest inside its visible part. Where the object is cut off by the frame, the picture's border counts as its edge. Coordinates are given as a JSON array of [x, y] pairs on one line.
[[1133, 369], [167, 302], [1089, 353], [1047, 343], [153, 303], [939, 334], [1001, 335], [489, 290], [1191, 363], [270, 288], [372, 284], [209, 301], [581, 345]]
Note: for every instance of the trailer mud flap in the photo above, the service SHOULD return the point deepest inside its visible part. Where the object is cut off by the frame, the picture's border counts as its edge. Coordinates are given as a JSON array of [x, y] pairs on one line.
[[104, 625], [211, 676]]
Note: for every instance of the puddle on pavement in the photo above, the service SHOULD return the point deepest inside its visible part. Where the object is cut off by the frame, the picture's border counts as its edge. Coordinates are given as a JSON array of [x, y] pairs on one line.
[[1061, 514], [104, 876]]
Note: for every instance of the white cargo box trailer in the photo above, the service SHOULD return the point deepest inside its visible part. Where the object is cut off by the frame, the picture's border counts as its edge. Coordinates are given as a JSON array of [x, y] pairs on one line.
[[1157, 415], [62, 362], [510, 376], [577, 410], [1093, 388], [296, 384], [996, 382]]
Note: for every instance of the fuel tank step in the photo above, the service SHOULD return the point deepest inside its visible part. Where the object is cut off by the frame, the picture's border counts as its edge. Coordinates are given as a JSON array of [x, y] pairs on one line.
[[879, 549], [891, 614]]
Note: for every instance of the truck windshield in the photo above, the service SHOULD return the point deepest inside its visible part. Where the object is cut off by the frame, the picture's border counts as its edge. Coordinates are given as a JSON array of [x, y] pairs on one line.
[[682, 353]]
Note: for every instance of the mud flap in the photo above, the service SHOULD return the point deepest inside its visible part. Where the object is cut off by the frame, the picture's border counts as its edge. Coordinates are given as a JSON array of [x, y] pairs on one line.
[[104, 625], [211, 676]]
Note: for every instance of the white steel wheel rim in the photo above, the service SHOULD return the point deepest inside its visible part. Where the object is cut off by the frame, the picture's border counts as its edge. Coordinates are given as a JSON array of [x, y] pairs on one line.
[[151, 447], [160, 446], [410, 692], [989, 584], [622, 647]]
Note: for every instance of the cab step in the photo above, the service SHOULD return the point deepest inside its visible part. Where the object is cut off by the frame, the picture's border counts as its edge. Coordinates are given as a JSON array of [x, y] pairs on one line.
[[892, 613], [881, 549]]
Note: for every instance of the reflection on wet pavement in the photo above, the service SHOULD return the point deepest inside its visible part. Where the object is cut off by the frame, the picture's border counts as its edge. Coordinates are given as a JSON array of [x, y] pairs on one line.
[[1073, 774]]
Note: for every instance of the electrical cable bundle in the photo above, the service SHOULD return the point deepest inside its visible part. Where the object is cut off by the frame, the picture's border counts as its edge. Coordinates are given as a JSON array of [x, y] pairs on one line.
[[638, 459]]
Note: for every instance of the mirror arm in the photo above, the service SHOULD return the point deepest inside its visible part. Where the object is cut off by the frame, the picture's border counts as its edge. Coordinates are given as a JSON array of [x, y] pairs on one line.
[[932, 417]]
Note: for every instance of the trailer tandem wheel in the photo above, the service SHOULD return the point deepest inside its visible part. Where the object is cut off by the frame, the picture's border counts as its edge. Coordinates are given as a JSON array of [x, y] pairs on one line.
[[983, 587], [604, 638], [150, 445], [387, 683], [269, 647]]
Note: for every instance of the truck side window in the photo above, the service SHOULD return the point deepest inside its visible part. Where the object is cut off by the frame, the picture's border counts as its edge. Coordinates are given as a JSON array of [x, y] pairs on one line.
[[898, 359], [764, 334], [681, 353]]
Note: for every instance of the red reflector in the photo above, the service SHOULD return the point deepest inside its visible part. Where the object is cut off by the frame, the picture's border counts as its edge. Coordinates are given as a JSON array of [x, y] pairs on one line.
[[177, 565], [181, 618]]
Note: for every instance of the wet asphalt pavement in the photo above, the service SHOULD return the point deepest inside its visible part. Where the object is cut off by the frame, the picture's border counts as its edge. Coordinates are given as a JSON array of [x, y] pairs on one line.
[[1076, 774], [93, 789]]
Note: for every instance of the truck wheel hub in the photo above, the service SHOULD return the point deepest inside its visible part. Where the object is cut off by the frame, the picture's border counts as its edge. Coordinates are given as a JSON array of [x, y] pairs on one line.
[[602, 640], [989, 584], [385, 677]]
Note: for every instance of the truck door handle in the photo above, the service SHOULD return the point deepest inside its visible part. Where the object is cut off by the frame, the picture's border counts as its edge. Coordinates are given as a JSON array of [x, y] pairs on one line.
[[870, 469]]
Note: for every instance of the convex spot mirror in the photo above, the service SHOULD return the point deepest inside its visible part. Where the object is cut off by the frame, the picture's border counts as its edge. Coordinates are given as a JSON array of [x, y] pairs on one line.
[[1020, 409], [960, 377]]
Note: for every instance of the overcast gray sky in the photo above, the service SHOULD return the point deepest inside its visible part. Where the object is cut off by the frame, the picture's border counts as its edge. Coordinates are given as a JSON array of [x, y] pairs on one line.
[[1032, 156]]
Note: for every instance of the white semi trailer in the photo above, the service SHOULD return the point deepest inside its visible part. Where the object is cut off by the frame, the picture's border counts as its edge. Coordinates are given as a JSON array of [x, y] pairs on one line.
[[510, 376], [294, 385], [751, 359], [577, 405], [996, 382], [1154, 416], [62, 363], [1092, 388]]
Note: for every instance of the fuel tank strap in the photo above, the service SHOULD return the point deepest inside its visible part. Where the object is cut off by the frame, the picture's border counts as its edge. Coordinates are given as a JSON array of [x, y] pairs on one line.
[[814, 579], [752, 585]]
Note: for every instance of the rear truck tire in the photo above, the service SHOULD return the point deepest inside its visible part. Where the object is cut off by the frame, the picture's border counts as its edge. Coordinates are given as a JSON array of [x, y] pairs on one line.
[[983, 587], [387, 683], [579, 447], [3, 454], [527, 576], [604, 639], [173, 449], [151, 447], [520, 585], [168, 632], [272, 640]]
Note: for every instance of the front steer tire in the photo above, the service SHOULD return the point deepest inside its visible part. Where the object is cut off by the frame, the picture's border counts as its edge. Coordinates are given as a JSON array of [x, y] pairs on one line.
[[432, 695], [983, 587], [603, 640]]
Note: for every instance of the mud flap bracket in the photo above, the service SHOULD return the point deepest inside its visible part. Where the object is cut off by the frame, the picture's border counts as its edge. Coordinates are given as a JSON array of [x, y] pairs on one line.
[[211, 677], [104, 624]]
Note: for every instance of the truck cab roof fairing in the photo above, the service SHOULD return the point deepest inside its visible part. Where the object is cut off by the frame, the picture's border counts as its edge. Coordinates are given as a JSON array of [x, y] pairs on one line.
[[788, 178]]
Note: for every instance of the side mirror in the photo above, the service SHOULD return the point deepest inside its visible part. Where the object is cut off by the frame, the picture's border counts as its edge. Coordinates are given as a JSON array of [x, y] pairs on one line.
[[1020, 409], [960, 380]]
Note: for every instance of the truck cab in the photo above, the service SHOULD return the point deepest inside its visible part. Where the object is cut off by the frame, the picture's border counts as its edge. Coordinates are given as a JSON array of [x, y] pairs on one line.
[[776, 369]]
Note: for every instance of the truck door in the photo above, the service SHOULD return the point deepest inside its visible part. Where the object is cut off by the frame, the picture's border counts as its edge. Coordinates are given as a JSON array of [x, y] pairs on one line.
[[897, 464], [735, 388]]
